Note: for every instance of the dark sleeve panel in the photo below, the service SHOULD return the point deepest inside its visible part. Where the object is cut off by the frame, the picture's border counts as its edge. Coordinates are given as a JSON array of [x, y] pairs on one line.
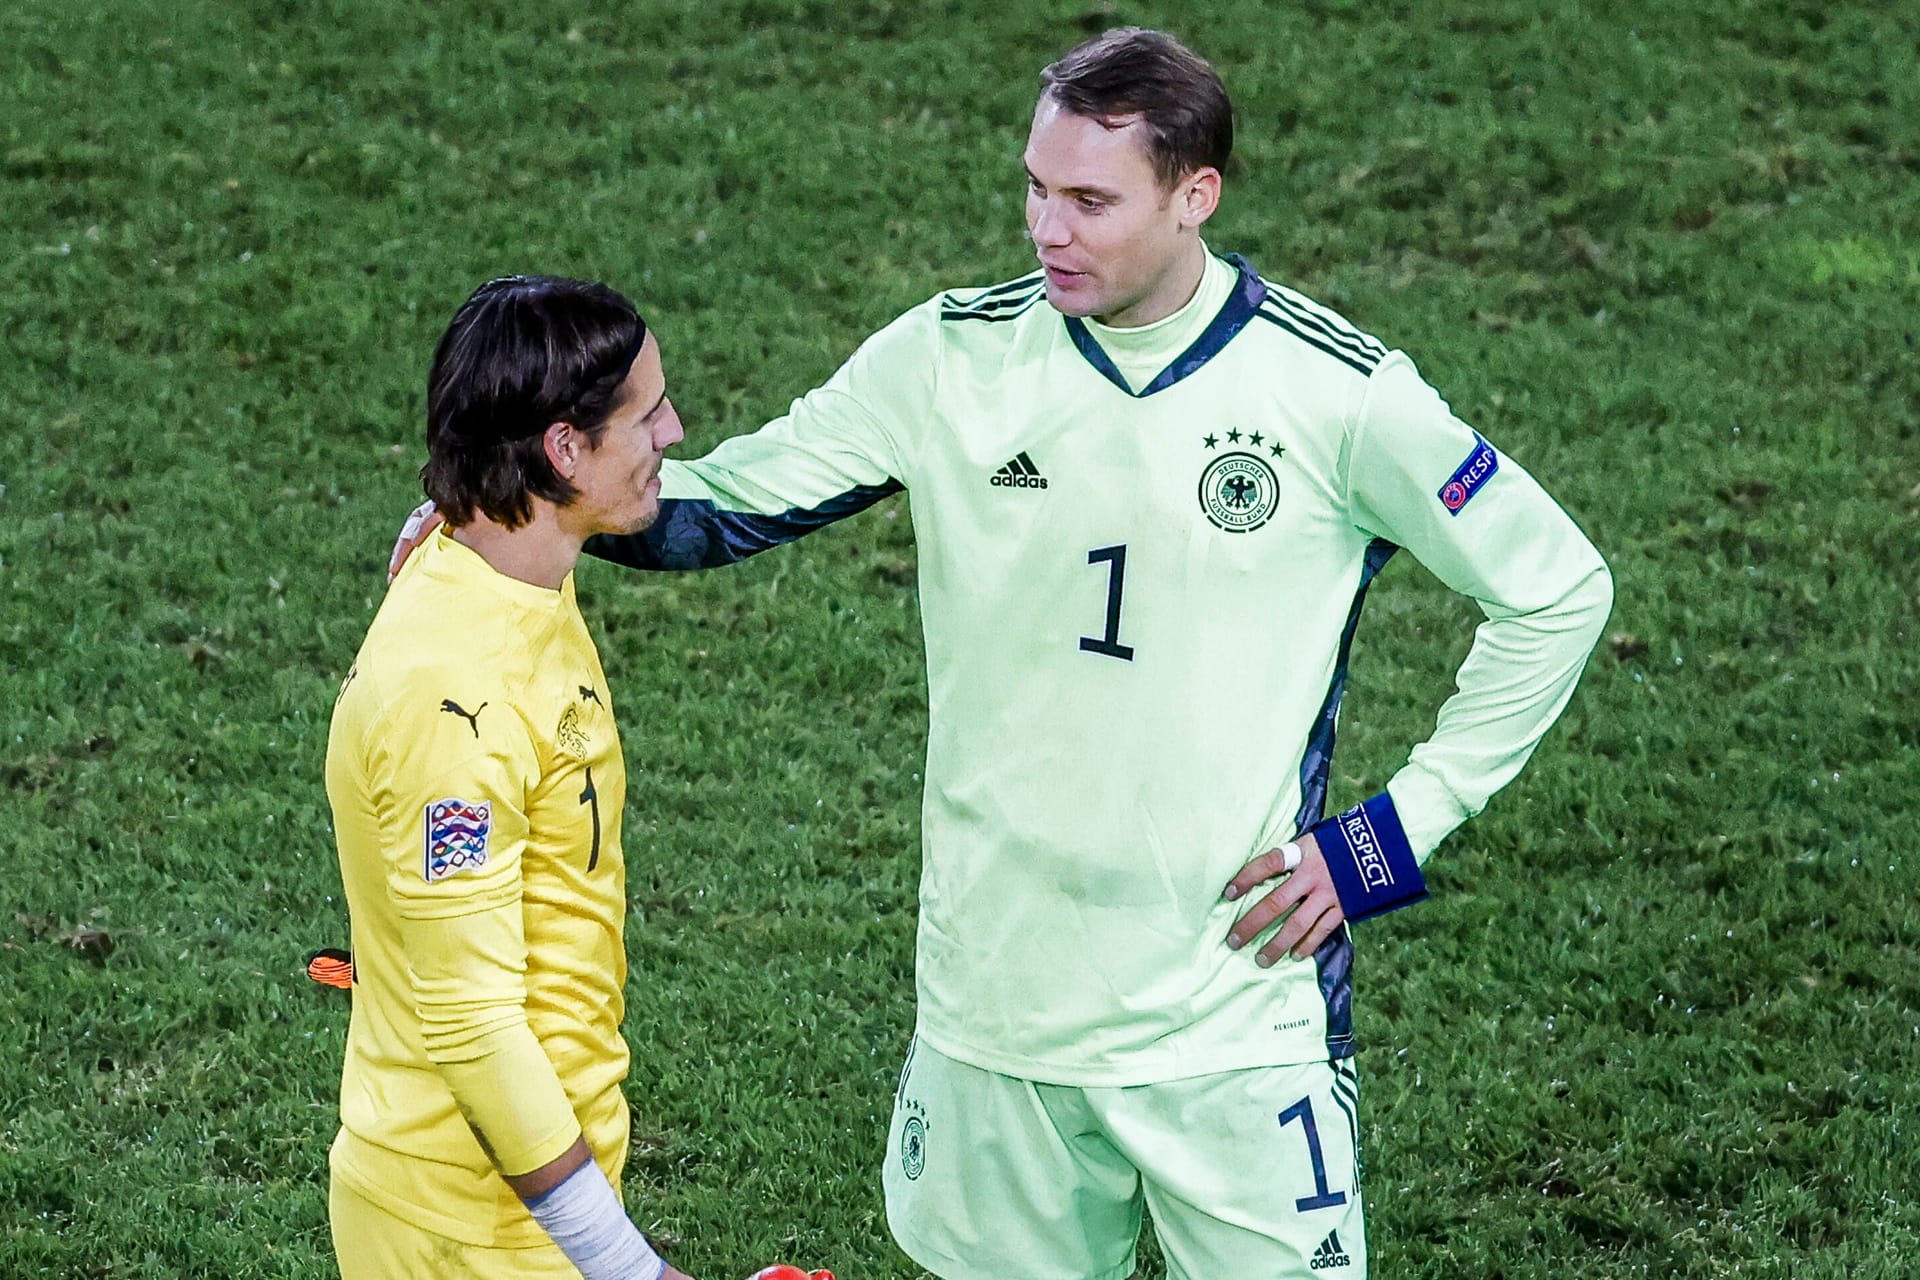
[[700, 534]]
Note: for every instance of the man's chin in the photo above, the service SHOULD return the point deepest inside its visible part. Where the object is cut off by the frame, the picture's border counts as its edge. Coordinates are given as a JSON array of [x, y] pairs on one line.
[[1069, 301], [1074, 298], [641, 522]]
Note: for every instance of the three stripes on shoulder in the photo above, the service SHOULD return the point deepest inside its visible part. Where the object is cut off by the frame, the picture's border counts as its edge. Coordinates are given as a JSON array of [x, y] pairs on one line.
[[1299, 315], [1322, 329], [1001, 302]]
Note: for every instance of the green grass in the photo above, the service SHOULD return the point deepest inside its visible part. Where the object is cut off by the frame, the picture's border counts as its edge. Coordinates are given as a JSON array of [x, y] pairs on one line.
[[1661, 1015]]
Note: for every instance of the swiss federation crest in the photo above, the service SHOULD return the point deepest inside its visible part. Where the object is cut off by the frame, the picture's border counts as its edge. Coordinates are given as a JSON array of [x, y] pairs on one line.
[[570, 734], [1239, 491], [456, 839]]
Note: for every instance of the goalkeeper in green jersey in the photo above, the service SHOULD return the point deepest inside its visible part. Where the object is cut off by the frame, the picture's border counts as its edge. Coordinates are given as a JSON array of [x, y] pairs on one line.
[[1150, 489]]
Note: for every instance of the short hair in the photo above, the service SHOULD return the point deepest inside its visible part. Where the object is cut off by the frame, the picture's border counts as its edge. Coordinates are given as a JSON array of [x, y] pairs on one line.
[[522, 352], [1130, 71]]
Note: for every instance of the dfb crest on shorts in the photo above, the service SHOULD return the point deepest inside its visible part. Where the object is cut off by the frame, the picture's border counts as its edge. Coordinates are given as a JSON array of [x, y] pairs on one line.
[[913, 1141], [1239, 491], [456, 839]]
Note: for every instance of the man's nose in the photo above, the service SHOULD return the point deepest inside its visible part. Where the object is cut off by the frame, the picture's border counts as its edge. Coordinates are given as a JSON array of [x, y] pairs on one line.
[[670, 431], [1049, 226]]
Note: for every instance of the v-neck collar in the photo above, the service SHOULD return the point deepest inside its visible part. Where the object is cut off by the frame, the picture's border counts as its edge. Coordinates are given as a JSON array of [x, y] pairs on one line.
[[1249, 291]]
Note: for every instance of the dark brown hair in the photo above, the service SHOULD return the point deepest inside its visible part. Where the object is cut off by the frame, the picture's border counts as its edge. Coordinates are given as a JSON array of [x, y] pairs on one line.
[[522, 353], [1131, 71]]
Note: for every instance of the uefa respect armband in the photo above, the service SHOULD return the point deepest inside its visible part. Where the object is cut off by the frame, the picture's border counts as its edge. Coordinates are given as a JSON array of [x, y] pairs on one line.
[[1372, 864]]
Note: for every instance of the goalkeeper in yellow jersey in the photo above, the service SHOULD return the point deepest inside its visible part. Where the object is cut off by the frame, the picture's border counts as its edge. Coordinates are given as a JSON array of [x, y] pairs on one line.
[[475, 775]]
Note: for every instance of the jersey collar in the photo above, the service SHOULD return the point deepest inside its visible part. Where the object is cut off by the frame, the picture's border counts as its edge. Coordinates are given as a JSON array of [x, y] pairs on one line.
[[1249, 291]]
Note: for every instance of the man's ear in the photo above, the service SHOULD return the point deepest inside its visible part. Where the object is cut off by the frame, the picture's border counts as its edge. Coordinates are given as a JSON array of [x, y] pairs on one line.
[[1198, 196], [562, 444]]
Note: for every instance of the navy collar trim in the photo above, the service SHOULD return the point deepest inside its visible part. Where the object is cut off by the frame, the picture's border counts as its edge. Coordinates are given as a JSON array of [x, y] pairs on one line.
[[1249, 292]]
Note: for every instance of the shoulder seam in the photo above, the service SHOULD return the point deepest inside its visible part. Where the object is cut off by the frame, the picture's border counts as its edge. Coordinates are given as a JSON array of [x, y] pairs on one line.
[[1357, 422]]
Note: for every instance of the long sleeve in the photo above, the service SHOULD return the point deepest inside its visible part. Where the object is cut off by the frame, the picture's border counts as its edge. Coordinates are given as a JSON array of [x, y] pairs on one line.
[[1423, 479], [456, 888]]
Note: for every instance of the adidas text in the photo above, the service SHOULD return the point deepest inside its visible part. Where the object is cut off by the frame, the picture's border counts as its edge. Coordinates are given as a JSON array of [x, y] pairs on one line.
[[1330, 1254], [1019, 474]]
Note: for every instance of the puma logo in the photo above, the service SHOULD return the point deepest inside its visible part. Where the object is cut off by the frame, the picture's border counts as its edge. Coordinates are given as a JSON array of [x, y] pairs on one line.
[[473, 720], [590, 694]]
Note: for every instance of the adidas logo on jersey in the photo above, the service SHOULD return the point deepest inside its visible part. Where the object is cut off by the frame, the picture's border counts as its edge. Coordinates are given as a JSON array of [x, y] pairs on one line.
[[1019, 474], [1330, 1254]]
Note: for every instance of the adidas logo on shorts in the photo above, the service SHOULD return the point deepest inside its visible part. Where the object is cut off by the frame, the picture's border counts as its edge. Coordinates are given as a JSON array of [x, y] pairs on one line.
[[1019, 474], [1330, 1254]]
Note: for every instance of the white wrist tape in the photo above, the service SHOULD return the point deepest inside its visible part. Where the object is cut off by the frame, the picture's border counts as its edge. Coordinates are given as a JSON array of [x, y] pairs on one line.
[[584, 1217], [1290, 856]]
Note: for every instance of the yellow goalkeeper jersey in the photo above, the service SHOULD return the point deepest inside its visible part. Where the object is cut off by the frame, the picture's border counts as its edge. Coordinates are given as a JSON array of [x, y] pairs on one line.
[[476, 780]]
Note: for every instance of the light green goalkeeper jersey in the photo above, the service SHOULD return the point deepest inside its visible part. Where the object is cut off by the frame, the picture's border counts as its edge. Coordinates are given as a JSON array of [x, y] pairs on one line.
[[1141, 559]]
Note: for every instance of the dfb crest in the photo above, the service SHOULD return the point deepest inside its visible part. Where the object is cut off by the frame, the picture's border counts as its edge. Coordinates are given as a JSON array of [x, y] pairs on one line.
[[1239, 491]]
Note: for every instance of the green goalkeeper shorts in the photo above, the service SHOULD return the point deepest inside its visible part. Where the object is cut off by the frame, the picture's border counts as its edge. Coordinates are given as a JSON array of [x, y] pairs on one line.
[[1246, 1173]]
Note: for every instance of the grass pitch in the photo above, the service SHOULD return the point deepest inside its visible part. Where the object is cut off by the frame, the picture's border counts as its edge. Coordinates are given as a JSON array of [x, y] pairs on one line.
[[1661, 1015]]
